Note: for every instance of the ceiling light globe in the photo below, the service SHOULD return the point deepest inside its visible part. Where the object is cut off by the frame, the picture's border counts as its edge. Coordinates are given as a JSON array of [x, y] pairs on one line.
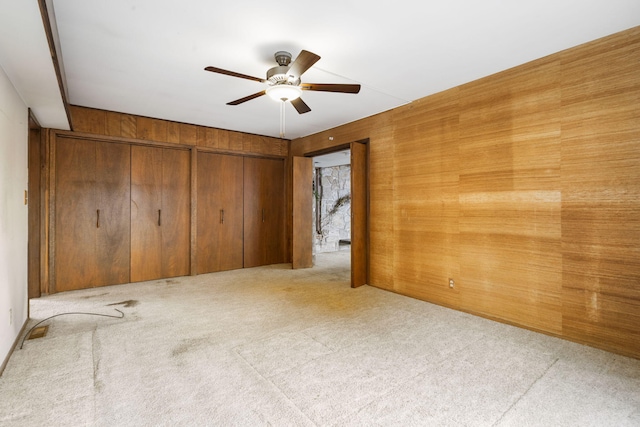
[[284, 92]]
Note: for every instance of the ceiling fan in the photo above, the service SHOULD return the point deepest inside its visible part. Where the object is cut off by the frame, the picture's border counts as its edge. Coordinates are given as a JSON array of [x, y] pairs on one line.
[[284, 81]]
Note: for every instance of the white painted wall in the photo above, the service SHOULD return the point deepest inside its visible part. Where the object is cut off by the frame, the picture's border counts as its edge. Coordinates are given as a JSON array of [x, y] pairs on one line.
[[13, 214]]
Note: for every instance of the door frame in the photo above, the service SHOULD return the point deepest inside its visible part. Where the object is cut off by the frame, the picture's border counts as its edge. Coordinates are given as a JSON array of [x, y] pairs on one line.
[[360, 263]]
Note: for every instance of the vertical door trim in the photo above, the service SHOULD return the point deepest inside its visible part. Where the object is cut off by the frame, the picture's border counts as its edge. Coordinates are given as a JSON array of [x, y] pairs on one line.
[[302, 242], [359, 214], [33, 200]]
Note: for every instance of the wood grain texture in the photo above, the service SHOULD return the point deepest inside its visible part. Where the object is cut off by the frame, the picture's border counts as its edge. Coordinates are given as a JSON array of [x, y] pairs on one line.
[[425, 200], [302, 212], [75, 208], [510, 235], [110, 123], [272, 171], [601, 193], [34, 199], [160, 213], [92, 214], [176, 212], [264, 216], [146, 203], [524, 187], [113, 199], [220, 212], [359, 211]]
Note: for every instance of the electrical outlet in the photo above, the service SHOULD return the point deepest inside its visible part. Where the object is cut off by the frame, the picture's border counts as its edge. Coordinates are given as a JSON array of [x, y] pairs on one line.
[[451, 283]]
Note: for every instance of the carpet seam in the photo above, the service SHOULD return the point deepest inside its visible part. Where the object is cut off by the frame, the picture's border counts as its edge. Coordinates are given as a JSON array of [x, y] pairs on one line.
[[525, 392]]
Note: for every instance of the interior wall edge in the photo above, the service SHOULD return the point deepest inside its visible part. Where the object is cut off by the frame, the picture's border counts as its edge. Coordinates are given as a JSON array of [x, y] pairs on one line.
[[14, 346]]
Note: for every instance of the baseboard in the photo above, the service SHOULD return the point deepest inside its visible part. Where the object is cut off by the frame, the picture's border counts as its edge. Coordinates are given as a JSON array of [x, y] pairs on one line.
[[13, 347]]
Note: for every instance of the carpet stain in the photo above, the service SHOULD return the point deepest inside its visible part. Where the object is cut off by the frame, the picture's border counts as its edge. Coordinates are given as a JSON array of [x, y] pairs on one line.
[[171, 282], [127, 303], [188, 345], [94, 296]]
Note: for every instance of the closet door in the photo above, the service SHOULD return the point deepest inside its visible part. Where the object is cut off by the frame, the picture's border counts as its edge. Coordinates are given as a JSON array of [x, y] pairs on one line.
[[113, 201], [146, 213], [176, 212], [92, 214], [263, 211], [75, 214], [220, 217], [160, 213]]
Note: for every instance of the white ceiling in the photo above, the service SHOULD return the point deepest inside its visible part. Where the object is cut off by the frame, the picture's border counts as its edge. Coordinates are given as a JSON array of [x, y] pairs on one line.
[[26, 59], [147, 57], [337, 158]]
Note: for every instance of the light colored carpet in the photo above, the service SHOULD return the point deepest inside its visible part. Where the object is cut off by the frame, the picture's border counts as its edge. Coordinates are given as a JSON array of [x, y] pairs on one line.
[[273, 346]]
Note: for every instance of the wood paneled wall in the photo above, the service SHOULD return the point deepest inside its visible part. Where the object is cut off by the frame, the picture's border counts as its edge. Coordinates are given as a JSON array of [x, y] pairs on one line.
[[109, 123], [523, 187]]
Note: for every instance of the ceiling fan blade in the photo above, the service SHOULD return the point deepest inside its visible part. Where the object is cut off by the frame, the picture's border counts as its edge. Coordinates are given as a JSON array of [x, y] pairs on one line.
[[234, 74], [247, 98], [328, 87], [303, 62], [300, 106]]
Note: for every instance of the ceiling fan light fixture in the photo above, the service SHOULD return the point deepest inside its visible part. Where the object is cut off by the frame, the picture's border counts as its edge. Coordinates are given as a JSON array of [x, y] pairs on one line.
[[284, 92]]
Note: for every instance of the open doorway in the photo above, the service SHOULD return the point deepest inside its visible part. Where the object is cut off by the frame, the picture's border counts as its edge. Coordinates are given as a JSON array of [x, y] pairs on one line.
[[304, 226], [332, 202]]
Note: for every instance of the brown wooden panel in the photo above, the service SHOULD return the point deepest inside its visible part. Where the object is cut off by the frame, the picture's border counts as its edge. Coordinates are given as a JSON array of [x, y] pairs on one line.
[[425, 201], [302, 256], [113, 125], [146, 204], [236, 141], [381, 228], [120, 125], [253, 253], [264, 205], [223, 139], [88, 120], [207, 137], [159, 130], [601, 193], [359, 213], [144, 128], [128, 126], [34, 207], [524, 186], [173, 132], [188, 134], [76, 216], [113, 199], [274, 205], [220, 218], [176, 212]]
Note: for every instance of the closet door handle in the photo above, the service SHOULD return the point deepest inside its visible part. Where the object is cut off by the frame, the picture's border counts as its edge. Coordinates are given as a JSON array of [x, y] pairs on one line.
[[221, 216], [262, 215], [98, 220], [159, 217]]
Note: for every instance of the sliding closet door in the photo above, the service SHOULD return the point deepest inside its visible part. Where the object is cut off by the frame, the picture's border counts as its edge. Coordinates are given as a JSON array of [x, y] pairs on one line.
[[176, 212], [76, 216], [92, 214], [264, 240], [220, 219], [146, 213], [160, 213], [113, 186]]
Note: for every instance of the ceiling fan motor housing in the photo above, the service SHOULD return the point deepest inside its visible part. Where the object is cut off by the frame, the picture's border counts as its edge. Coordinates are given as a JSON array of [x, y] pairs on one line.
[[278, 75]]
